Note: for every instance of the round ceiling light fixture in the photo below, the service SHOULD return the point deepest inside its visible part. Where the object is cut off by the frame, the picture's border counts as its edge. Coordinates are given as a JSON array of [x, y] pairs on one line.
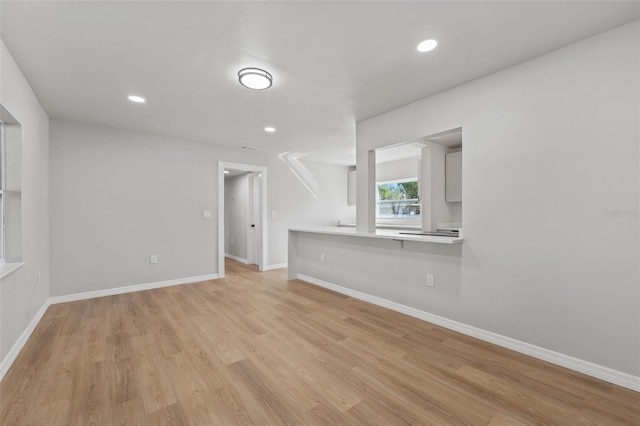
[[255, 78], [137, 99], [427, 45]]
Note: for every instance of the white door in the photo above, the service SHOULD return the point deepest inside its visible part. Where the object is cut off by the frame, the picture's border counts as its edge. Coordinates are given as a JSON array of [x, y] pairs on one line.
[[255, 219]]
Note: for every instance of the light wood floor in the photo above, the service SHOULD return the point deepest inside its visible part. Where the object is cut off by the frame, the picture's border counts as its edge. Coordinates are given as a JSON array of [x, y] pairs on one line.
[[257, 349]]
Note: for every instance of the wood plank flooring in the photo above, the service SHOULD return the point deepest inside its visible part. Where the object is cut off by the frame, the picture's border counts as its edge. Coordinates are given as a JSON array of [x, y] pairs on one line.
[[255, 348]]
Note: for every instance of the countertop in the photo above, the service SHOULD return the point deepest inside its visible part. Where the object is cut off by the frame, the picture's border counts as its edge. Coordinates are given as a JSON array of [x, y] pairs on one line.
[[388, 234]]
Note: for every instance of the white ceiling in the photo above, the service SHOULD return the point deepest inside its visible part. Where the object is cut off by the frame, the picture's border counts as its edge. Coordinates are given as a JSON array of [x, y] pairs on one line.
[[334, 63]]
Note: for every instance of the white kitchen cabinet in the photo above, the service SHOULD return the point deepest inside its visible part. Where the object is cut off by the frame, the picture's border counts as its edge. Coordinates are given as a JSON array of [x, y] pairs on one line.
[[453, 177]]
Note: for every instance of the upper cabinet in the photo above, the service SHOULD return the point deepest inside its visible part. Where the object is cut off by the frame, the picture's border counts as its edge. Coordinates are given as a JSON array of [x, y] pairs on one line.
[[453, 179]]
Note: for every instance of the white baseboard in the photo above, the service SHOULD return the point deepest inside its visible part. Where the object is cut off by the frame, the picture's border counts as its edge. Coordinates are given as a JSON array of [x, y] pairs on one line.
[[245, 261], [129, 289], [275, 266], [604, 373], [239, 259], [19, 344]]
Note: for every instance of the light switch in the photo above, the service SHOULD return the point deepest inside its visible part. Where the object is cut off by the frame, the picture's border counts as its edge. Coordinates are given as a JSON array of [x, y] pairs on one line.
[[206, 214], [274, 213]]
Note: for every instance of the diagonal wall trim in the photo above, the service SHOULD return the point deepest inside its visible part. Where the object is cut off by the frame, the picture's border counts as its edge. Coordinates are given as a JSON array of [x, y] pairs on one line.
[[598, 371]]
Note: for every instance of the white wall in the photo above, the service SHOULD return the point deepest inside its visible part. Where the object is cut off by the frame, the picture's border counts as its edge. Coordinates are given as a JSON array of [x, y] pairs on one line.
[[118, 197], [550, 146], [21, 297], [236, 193], [296, 206], [406, 168]]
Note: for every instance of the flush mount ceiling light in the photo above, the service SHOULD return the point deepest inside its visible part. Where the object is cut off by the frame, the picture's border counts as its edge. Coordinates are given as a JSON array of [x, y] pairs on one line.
[[427, 45], [226, 172], [269, 129], [137, 99], [255, 78]]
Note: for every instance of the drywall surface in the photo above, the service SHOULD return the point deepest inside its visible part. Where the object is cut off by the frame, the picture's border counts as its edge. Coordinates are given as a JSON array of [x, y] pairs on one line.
[[550, 184], [294, 205], [21, 296], [236, 193], [119, 197], [390, 171]]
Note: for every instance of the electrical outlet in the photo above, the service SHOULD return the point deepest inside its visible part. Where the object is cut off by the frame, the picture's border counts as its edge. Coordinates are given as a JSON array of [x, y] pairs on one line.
[[153, 259], [431, 280], [321, 257], [39, 280]]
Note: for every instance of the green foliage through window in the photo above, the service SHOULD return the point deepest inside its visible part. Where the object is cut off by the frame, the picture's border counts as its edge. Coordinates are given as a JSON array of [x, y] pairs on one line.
[[398, 191], [398, 200]]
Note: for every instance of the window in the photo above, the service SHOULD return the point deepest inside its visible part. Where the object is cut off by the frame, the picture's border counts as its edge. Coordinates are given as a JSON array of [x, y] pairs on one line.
[[2, 179], [10, 190], [398, 200]]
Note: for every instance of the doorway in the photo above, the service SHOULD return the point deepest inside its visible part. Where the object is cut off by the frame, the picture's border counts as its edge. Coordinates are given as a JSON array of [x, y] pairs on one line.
[[254, 220], [256, 216]]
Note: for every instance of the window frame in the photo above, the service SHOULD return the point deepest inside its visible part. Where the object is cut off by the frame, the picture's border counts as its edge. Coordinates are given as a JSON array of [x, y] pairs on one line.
[[11, 218], [416, 218], [2, 192]]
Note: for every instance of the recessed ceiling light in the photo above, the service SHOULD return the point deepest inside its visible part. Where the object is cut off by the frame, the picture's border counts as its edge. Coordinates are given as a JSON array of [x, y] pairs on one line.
[[427, 45], [269, 129], [137, 99], [255, 78], [226, 172]]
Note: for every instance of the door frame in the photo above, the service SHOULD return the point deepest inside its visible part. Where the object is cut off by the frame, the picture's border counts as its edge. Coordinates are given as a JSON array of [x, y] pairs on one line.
[[262, 265], [251, 176]]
